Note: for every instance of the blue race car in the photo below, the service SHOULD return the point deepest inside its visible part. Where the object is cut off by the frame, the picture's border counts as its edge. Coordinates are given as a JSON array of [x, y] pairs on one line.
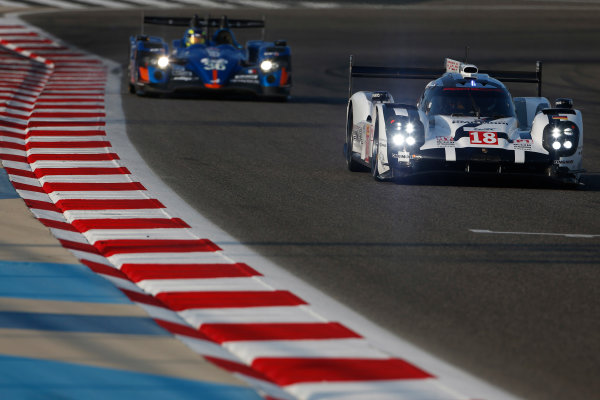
[[209, 58]]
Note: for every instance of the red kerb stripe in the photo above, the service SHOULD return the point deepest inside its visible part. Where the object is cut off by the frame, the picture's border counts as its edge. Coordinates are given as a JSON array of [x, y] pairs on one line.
[[179, 329], [81, 187], [13, 157], [143, 298], [288, 371], [12, 145], [73, 157], [236, 368], [50, 223], [39, 172], [139, 272], [111, 247], [277, 331], [129, 223], [42, 205], [20, 172], [104, 269], [69, 145], [79, 246], [37, 132], [31, 188], [179, 301], [126, 204]]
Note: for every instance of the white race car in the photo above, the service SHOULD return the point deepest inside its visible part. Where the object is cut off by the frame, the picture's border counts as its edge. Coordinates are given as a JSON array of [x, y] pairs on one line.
[[465, 120]]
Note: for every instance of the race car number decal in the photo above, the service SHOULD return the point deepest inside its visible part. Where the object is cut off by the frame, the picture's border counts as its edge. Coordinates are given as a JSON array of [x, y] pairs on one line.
[[220, 64], [483, 137]]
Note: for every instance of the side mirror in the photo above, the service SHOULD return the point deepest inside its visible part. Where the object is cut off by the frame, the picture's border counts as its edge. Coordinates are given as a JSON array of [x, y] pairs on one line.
[[563, 103]]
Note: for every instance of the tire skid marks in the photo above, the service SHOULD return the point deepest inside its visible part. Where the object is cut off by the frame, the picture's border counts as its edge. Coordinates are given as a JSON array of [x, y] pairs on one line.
[[54, 149]]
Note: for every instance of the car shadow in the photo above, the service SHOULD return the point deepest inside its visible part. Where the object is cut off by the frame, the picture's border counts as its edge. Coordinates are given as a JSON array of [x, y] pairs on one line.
[[589, 181]]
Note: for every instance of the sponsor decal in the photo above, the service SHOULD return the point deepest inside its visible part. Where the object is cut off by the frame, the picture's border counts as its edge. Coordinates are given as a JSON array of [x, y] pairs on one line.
[[444, 141], [402, 156], [488, 138], [245, 79], [523, 144], [219, 64], [181, 72], [563, 162], [452, 65], [560, 117]]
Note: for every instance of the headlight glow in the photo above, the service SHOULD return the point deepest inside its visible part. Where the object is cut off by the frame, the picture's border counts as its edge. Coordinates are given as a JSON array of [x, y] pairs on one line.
[[568, 144], [556, 133], [410, 128], [568, 131], [410, 140], [556, 145], [398, 139], [266, 65], [163, 62]]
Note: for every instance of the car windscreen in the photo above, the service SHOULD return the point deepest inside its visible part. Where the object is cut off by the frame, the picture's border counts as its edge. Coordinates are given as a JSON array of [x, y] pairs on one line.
[[469, 101]]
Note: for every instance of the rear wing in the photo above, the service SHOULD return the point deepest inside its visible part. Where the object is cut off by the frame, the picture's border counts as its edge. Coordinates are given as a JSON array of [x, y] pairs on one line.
[[361, 71], [197, 22]]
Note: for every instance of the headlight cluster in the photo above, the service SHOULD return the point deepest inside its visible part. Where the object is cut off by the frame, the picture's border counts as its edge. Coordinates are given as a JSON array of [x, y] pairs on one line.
[[162, 62], [402, 133], [561, 139], [268, 66]]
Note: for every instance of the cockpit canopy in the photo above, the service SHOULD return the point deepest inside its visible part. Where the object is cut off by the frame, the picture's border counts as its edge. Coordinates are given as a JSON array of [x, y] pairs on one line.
[[481, 102]]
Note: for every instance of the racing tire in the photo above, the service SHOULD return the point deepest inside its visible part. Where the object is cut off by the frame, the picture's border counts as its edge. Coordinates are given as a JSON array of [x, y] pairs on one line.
[[352, 164], [375, 154]]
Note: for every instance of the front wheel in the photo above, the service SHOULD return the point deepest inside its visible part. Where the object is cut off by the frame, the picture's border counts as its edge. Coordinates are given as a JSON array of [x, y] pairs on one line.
[[375, 153]]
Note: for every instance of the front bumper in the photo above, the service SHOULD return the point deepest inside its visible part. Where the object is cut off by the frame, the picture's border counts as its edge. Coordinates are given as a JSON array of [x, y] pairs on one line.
[[470, 159]]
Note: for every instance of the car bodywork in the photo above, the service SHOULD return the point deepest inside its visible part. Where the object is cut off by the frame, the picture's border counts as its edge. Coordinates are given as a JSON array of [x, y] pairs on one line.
[[465, 120], [219, 63]]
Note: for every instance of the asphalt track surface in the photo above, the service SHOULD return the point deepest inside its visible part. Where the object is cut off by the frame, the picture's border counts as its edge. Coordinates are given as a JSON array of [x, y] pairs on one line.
[[518, 310]]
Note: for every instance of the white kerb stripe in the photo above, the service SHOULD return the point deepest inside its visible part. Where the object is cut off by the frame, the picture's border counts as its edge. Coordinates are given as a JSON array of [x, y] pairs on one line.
[[123, 283], [84, 255], [267, 387], [413, 389], [73, 215], [68, 235], [155, 286], [100, 195], [197, 317], [208, 257], [328, 348], [206, 348], [161, 313]]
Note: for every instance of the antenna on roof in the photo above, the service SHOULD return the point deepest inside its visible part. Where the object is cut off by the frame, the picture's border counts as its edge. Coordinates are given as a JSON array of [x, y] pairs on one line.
[[264, 29], [466, 54], [142, 22]]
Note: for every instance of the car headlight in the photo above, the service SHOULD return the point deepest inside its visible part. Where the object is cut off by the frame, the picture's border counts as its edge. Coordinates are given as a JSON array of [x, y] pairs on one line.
[[561, 139], [398, 139], [267, 65], [410, 140], [410, 128], [163, 62]]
